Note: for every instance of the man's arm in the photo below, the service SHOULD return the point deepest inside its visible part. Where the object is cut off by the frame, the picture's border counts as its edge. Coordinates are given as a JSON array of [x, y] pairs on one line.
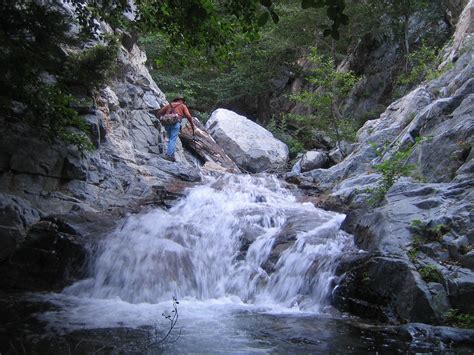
[[161, 111]]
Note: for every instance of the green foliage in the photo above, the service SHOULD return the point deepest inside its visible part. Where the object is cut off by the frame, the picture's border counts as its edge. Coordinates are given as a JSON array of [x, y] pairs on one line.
[[91, 67], [424, 231], [335, 12], [391, 169], [249, 68], [30, 36], [455, 318], [430, 273], [413, 254], [279, 127], [325, 102], [51, 113], [199, 23], [464, 249], [38, 74], [423, 64]]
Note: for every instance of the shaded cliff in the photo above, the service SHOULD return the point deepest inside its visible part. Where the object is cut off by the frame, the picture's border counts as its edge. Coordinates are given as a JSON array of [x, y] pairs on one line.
[[418, 238], [88, 191]]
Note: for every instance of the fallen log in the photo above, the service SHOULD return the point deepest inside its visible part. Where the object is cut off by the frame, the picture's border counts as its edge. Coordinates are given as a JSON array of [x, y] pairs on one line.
[[205, 147]]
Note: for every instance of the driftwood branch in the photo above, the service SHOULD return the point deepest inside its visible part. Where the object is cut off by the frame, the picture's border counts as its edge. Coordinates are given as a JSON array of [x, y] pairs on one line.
[[205, 147]]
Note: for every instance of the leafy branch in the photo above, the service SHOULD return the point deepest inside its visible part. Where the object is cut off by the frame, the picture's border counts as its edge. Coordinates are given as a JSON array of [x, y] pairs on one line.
[[325, 102]]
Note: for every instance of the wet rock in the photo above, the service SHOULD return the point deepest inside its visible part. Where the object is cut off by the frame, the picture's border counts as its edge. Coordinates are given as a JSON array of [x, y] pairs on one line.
[[76, 165], [445, 337], [48, 259], [399, 298], [467, 260], [439, 299], [16, 214], [251, 146], [461, 290], [97, 127], [183, 172]]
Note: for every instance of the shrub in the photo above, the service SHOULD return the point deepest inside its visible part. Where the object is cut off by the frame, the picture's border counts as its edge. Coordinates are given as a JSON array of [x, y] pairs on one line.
[[422, 65], [51, 113], [430, 273], [457, 319], [413, 254], [91, 67], [325, 103], [37, 74], [391, 169], [279, 127], [424, 231]]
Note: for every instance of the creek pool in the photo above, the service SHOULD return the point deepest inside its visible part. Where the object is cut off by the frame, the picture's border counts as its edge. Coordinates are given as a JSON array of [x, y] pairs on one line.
[[252, 267], [63, 325]]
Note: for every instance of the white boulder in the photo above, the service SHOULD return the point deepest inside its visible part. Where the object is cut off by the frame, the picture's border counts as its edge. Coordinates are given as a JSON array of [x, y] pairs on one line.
[[251, 146]]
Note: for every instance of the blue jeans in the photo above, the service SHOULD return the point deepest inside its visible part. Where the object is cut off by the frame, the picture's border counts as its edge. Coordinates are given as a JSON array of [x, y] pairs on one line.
[[172, 131]]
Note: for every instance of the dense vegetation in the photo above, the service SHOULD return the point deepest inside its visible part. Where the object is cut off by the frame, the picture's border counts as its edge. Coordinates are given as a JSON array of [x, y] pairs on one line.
[[48, 63], [253, 77], [215, 52]]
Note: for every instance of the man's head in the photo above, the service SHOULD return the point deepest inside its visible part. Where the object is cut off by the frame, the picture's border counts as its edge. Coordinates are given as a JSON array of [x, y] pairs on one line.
[[179, 98]]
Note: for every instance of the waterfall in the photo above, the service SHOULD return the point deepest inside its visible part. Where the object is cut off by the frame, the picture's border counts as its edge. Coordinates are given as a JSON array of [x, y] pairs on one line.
[[241, 236]]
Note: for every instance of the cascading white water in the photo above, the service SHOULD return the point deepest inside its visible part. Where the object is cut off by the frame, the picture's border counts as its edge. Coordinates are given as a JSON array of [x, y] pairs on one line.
[[236, 236]]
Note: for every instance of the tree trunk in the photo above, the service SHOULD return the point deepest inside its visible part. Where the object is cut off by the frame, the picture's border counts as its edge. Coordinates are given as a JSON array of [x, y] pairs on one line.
[[206, 148], [406, 43]]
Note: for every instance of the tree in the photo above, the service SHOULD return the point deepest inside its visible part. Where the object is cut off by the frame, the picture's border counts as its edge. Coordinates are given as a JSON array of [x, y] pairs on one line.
[[251, 68], [325, 101], [198, 23], [400, 13], [37, 76]]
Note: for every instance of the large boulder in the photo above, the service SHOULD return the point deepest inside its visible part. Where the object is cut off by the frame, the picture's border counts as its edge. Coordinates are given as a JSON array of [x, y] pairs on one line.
[[251, 146]]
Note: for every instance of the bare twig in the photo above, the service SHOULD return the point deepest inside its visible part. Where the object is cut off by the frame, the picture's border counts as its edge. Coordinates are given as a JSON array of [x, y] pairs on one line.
[[173, 319]]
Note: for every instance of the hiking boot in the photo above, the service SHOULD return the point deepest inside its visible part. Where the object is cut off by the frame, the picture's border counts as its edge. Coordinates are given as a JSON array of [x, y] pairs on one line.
[[170, 158]]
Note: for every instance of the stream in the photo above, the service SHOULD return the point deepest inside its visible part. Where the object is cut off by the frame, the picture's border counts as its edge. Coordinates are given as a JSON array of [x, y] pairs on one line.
[[251, 267]]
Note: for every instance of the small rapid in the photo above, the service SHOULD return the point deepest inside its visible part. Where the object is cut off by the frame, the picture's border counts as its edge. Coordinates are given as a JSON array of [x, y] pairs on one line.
[[239, 241]]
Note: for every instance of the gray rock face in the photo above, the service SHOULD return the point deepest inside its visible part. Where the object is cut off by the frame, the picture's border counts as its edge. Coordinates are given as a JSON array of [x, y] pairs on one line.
[[15, 215], [50, 256], [398, 255], [453, 9], [125, 172], [251, 146], [385, 288], [314, 159], [463, 36], [378, 58]]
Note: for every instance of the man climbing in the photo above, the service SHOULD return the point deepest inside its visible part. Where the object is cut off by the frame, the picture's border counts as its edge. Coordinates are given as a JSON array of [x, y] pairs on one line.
[[178, 105]]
